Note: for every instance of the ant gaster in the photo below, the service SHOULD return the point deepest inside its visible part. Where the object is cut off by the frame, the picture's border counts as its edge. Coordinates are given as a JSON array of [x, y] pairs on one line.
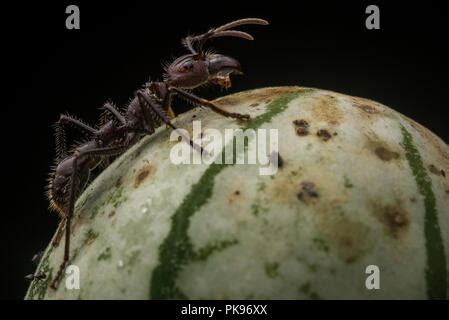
[[150, 107]]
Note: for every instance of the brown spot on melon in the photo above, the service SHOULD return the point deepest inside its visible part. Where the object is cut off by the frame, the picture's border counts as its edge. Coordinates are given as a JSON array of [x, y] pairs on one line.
[[385, 154], [307, 193], [436, 171], [323, 134], [348, 239], [143, 174], [365, 105], [394, 218], [381, 149], [324, 109], [301, 127]]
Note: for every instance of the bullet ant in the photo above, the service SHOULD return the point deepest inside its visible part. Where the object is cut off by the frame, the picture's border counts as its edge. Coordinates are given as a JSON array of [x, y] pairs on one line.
[[149, 108]]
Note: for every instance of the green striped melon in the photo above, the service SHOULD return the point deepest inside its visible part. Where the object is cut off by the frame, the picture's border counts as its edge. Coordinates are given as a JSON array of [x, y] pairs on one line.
[[359, 184]]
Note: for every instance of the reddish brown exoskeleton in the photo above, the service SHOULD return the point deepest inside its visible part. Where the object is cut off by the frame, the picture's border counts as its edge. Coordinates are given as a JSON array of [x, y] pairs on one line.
[[149, 108]]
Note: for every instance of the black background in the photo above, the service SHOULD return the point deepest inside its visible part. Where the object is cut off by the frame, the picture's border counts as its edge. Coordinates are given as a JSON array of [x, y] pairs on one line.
[[48, 70]]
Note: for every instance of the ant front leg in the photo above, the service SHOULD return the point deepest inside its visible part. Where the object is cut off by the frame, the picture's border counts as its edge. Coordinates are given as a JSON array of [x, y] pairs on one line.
[[171, 114], [207, 103]]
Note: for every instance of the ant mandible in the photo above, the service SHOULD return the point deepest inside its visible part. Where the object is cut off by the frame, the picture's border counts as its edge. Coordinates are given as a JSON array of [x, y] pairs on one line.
[[150, 107]]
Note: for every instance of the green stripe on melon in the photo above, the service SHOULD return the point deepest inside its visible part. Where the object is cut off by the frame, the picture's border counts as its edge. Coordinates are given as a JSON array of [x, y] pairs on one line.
[[436, 273], [360, 184]]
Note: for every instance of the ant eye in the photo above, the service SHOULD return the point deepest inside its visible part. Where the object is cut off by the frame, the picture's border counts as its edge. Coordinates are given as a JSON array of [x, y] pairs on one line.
[[187, 66]]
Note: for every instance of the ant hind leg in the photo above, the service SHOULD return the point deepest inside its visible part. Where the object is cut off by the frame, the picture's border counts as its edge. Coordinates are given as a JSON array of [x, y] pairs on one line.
[[61, 145], [68, 220], [116, 113]]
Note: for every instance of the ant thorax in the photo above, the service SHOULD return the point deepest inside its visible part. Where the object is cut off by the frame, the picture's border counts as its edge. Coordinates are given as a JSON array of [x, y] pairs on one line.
[[157, 90]]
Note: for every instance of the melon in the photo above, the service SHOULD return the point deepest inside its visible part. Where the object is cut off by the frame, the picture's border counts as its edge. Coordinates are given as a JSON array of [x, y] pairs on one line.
[[358, 209]]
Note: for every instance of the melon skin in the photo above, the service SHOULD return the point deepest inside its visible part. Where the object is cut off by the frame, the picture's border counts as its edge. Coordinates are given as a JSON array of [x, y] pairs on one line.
[[360, 184]]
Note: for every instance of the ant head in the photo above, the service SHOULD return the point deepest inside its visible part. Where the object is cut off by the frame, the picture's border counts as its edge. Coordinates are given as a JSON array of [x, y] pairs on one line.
[[200, 66], [188, 71], [193, 70]]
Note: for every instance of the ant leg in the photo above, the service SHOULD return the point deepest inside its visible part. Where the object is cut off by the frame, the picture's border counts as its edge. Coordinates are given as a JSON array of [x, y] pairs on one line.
[[68, 220], [161, 114], [59, 233], [39, 276], [109, 107], [145, 102], [37, 257], [170, 113], [61, 145], [106, 151], [63, 119], [207, 103]]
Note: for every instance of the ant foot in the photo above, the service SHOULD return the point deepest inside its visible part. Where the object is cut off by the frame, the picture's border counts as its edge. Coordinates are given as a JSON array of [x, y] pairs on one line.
[[55, 283], [39, 276], [37, 257]]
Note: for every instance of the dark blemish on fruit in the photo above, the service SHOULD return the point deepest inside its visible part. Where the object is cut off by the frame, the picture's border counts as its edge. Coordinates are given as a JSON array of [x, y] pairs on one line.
[[323, 134], [394, 218], [349, 240], [255, 104], [364, 105], [325, 109], [301, 127], [301, 123], [307, 192], [367, 108], [385, 154], [347, 182], [302, 131], [237, 192], [111, 214], [143, 173], [437, 171]]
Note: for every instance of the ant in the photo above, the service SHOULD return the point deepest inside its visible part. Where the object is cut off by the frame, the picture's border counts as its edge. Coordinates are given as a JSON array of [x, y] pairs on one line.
[[149, 108]]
